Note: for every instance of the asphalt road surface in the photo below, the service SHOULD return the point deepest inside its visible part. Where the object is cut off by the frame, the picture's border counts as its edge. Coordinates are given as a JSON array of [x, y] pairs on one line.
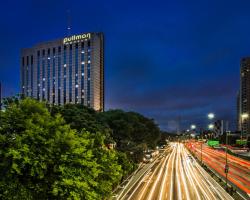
[[174, 175]]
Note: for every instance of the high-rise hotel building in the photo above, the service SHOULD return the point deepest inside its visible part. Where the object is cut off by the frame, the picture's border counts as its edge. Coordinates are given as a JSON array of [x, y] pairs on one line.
[[243, 100], [67, 70]]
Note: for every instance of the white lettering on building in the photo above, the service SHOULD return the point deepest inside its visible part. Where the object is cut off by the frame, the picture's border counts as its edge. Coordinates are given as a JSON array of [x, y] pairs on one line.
[[75, 38]]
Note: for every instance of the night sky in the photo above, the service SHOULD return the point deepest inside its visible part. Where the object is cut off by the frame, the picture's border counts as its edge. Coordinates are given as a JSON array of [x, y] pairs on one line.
[[169, 60]]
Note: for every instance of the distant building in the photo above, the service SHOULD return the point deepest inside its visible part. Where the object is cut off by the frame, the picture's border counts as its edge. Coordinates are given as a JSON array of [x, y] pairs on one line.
[[219, 127], [238, 123], [244, 96], [67, 70]]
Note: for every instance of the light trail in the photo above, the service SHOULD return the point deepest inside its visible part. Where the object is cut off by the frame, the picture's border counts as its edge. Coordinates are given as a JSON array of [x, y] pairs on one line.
[[141, 176], [157, 180], [239, 169], [138, 185], [200, 182], [172, 176], [184, 180], [176, 176], [178, 182], [165, 176], [190, 179]]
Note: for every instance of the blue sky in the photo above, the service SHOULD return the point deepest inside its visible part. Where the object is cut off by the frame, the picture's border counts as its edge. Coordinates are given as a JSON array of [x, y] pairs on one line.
[[168, 60]]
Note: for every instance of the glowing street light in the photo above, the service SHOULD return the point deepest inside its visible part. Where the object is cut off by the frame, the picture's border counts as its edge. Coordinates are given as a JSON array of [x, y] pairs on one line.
[[210, 126], [210, 115], [193, 126]]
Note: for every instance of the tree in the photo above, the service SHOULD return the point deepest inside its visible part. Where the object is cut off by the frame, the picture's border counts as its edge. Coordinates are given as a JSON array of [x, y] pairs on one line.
[[81, 117], [132, 131], [43, 158]]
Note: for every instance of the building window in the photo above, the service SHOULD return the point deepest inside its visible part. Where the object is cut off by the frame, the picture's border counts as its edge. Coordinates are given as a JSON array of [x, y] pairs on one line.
[[70, 73], [88, 78], [64, 73], [38, 76], [27, 76], [76, 72], [23, 80], [82, 73], [54, 76], [43, 82], [59, 75], [31, 75], [48, 78]]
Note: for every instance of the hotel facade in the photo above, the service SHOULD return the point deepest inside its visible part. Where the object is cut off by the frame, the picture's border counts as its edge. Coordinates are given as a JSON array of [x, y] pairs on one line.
[[67, 70]]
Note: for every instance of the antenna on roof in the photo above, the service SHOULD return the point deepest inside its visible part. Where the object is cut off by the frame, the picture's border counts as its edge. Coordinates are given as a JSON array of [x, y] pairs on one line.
[[68, 22]]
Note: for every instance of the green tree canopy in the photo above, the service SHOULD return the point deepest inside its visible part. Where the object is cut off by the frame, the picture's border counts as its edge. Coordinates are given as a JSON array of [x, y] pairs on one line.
[[43, 158], [132, 131], [80, 117]]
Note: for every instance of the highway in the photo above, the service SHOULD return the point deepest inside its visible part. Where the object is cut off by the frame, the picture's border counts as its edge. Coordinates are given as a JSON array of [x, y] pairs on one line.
[[173, 175], [239, 169]]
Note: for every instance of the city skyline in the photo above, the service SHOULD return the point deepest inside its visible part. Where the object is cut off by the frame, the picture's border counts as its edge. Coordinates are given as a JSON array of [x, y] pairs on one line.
[[185, 64]]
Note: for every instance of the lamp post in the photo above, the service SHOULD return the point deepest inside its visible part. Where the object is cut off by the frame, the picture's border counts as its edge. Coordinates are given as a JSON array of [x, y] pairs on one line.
[[201, 143], [211, 126], [201, 150], [193, 126], [226, 166], [243, 117], [210, 115]]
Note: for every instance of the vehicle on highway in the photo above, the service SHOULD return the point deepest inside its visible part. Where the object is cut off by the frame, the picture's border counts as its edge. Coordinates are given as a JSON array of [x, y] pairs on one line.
[[150, 155]]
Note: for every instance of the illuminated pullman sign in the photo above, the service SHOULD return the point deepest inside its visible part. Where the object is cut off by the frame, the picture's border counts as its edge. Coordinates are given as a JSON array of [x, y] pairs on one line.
[[76, 38]]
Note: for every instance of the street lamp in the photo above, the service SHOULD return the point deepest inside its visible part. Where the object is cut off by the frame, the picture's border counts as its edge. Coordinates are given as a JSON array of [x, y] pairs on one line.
[[211, 126], [210, 115], [193, 126], [227, 166], [201, 150], [243, 117]]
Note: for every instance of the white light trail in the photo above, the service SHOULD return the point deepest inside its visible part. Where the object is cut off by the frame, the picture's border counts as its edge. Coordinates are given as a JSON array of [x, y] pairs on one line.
[[158, 178], [165, 175]]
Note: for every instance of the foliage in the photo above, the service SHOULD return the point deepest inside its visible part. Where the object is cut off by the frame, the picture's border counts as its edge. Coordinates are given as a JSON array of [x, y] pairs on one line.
[[43, 158], [132, 131], [80, 117], [60, 152]]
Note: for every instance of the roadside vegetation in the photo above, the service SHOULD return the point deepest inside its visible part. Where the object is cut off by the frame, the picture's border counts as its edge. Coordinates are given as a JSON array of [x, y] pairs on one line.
[[68, 152]]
